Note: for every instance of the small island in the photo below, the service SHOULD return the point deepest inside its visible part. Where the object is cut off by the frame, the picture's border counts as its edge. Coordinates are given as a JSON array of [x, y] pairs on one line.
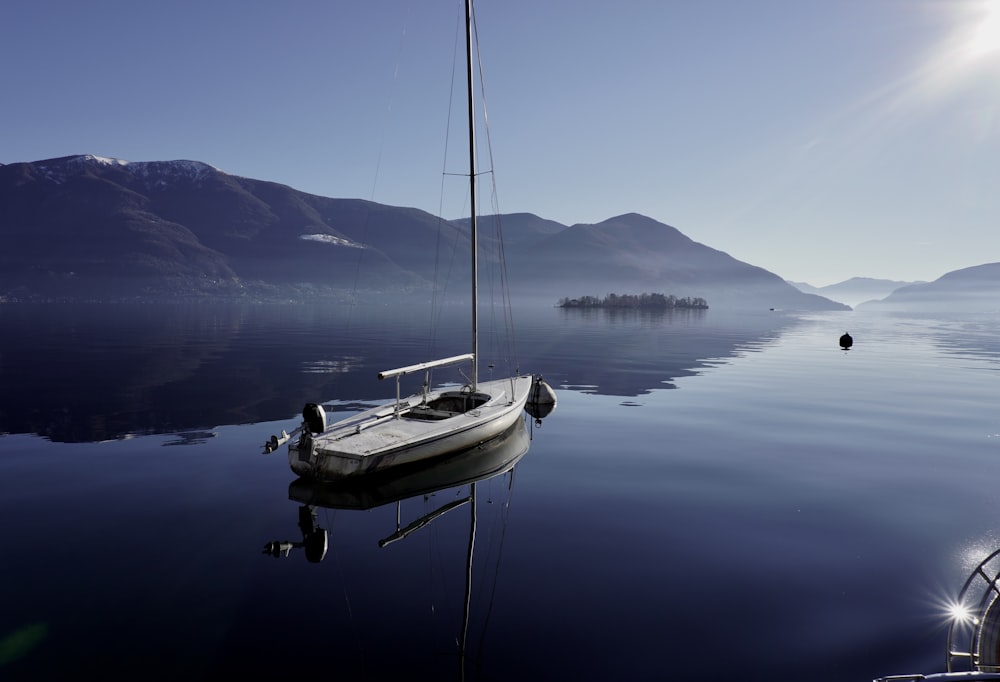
[[636, 301]]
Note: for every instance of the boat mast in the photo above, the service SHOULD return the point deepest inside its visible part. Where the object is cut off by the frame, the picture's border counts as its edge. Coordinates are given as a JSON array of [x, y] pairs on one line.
[[472, 194], [468, 583]]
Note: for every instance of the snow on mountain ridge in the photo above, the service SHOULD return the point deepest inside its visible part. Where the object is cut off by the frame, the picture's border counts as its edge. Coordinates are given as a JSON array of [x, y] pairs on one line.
[[103, 160], [180, 167], [162, 173], [156, 172]]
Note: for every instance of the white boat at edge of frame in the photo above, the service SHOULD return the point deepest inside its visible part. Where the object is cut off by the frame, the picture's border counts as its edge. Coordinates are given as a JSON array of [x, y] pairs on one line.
[[972, 648]]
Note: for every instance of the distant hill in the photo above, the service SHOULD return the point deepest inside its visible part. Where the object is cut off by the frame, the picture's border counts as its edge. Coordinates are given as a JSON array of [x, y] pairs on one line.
[[97, 228], [632, 253], [855, 290], [975, 289]]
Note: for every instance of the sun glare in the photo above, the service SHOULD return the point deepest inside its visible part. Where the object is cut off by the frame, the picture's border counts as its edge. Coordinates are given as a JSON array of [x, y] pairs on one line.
[[986, 35], [966, 58]]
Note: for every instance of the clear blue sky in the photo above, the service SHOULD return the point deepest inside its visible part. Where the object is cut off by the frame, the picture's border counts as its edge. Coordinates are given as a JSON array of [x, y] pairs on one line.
[[820, 139]]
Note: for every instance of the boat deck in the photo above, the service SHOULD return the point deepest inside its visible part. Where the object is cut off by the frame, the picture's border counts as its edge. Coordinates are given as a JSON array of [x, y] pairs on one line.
[[412, 430]]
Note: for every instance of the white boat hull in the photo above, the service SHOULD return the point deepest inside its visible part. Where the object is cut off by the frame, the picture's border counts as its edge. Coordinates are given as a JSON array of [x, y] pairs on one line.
[[394, 435], [486, 460]]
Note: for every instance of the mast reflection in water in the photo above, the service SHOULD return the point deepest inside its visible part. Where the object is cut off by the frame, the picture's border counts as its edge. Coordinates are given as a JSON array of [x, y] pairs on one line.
[[497, 457]]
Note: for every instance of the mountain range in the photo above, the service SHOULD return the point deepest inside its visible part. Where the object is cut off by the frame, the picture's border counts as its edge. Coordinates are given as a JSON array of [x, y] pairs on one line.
[[88, 227], [974, 289], [855, 290]]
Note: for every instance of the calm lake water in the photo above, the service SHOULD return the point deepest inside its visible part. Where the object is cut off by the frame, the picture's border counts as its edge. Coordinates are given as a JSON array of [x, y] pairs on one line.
[[716, 494]]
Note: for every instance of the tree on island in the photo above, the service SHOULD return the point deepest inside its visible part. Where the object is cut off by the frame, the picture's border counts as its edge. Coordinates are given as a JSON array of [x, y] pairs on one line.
[[635, 301]]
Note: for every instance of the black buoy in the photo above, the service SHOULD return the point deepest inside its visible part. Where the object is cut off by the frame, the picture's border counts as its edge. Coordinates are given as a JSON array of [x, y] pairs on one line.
[[846, 341]]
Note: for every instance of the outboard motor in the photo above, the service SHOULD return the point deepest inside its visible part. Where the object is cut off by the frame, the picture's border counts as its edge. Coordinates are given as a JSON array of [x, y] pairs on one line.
[[314, 538], [314, 417]]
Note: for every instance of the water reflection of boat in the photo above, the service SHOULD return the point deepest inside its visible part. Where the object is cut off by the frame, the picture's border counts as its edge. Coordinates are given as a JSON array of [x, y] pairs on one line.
[[972, 650], [486, 460], [481, 463]]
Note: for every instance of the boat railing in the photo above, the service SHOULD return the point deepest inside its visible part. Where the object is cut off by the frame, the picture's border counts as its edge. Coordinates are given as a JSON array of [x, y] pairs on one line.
[[400, 372], [444, 362]]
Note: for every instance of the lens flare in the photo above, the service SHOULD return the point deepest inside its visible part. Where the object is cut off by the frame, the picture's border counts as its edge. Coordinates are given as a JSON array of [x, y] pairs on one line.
[[960, 613], [985, 37]]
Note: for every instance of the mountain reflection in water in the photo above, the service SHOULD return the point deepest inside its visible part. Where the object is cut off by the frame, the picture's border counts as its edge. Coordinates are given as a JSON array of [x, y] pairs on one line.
[[82, 373]]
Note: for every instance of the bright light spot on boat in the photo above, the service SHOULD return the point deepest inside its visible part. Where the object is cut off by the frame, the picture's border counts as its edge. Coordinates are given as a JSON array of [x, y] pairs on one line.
[[961, 614]]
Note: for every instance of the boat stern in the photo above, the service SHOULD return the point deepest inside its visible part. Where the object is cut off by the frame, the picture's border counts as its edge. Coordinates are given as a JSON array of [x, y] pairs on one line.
[[307, 460]]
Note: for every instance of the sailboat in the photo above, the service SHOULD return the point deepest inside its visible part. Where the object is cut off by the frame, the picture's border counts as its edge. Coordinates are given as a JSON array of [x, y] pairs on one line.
[[432, 423]]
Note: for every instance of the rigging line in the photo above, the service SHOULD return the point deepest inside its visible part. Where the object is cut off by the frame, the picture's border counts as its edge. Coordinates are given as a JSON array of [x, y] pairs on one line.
[[510, 337], [495, 347], [366, 217], [488, 171], [392, 96], [495, 203], [443, 274], [437, 297], [475, 29], [339, 567], [468, 571], [436, 563], [496, 571]]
